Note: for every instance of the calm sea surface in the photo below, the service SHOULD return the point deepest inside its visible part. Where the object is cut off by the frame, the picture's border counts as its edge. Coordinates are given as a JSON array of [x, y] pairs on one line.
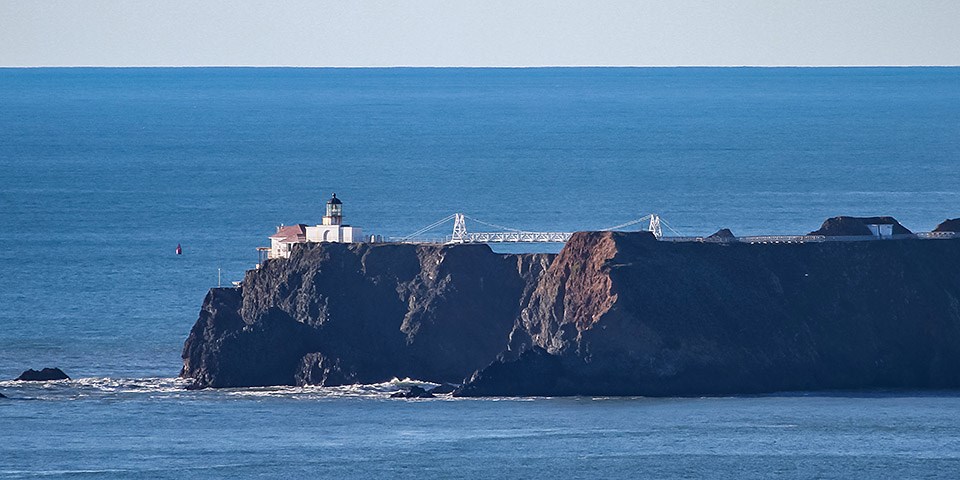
[[104, 171]]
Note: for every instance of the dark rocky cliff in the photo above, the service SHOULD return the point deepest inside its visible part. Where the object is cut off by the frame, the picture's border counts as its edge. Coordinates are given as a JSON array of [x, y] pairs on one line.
[[612, 314], [624, 314], [361, 313]]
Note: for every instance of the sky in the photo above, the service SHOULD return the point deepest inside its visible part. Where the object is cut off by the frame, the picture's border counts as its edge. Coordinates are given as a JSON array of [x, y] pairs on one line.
[[509, 33]]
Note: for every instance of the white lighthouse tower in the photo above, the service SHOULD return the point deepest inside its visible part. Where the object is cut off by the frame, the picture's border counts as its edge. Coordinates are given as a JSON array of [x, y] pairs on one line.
[[332, 228], [334, 215]]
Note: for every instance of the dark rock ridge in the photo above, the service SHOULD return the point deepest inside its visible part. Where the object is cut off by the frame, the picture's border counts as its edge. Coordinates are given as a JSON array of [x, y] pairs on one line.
[[44, 375], [857, 226], [336, 314], [949, 225], [724, 234], [625, 314]]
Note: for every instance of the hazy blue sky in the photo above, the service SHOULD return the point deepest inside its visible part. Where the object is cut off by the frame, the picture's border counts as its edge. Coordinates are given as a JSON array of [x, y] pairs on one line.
[[479, 33]]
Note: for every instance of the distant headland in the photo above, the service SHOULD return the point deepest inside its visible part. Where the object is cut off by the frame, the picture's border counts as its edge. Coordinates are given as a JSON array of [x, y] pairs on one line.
[[860, 303]]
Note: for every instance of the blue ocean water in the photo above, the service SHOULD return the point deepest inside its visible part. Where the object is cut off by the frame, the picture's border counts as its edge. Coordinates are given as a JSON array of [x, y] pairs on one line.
[[104, 171]]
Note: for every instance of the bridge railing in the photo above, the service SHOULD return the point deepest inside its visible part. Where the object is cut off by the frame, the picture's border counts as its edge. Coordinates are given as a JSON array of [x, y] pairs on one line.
[[749, 239], [938, 235], [432, 239], [562, 237], [515, 237], [811, 238]]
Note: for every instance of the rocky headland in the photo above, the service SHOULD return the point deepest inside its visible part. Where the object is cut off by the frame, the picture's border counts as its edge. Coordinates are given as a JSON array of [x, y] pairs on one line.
[[613, 314], [337, 313]]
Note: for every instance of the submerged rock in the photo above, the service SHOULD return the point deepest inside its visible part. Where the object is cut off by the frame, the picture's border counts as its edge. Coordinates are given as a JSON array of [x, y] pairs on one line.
[[414, 392], [44, 375]]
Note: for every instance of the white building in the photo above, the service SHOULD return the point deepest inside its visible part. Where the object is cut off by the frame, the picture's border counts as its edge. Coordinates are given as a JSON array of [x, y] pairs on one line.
[[281, 243], [331, 229]]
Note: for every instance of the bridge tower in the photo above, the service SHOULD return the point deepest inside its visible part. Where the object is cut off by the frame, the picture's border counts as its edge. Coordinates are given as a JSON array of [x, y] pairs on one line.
[[654, 227], [459, 228]]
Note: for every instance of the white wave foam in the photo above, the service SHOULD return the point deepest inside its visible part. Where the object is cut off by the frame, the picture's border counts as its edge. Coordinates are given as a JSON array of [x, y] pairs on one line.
[[101, 387], [92, 387], [373, 390]]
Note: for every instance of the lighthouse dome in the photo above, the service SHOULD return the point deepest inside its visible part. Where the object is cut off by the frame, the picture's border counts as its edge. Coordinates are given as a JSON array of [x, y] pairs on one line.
[[334, 212]]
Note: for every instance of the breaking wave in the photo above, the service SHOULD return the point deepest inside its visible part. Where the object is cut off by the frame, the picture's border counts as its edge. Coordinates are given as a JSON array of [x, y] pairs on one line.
[[106, 387]]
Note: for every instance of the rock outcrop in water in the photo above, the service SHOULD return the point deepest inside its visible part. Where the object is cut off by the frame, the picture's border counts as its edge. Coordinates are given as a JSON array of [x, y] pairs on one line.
[[44, 375], [413, 392], [612, 314], [336, 314]]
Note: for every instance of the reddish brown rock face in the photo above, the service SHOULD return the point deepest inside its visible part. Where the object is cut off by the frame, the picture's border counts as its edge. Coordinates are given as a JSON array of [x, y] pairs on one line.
[[575, 291]]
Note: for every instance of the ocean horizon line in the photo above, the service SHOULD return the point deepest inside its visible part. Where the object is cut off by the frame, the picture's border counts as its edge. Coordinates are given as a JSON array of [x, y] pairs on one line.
[[466, 67]]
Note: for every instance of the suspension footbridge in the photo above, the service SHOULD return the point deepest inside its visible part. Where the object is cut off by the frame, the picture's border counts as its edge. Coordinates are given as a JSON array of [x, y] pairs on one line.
[[493, 233], [653, 223]]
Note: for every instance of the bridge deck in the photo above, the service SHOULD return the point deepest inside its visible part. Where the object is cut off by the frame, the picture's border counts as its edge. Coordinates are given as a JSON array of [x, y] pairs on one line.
[[563, 237]]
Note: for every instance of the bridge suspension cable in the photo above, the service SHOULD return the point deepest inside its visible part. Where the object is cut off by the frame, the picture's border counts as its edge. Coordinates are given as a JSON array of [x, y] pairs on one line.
[[429, 227], [628, 224], [674, 230], [493, 224]]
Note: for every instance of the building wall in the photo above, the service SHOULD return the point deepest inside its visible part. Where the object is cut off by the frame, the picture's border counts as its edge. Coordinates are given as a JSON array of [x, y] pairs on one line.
[[883, 230], [318, 233], [352, 234], [323, 233], [334, 233], [278, 249]]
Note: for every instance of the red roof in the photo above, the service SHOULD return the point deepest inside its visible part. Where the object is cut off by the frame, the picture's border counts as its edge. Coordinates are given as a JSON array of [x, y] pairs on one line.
[[291, 233]]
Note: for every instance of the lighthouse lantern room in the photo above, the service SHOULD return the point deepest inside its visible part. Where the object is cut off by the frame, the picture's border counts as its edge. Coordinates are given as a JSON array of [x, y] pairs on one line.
[[334, 214]]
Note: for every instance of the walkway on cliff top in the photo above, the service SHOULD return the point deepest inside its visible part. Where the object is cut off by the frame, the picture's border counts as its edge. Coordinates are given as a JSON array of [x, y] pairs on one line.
[[655, 225]]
